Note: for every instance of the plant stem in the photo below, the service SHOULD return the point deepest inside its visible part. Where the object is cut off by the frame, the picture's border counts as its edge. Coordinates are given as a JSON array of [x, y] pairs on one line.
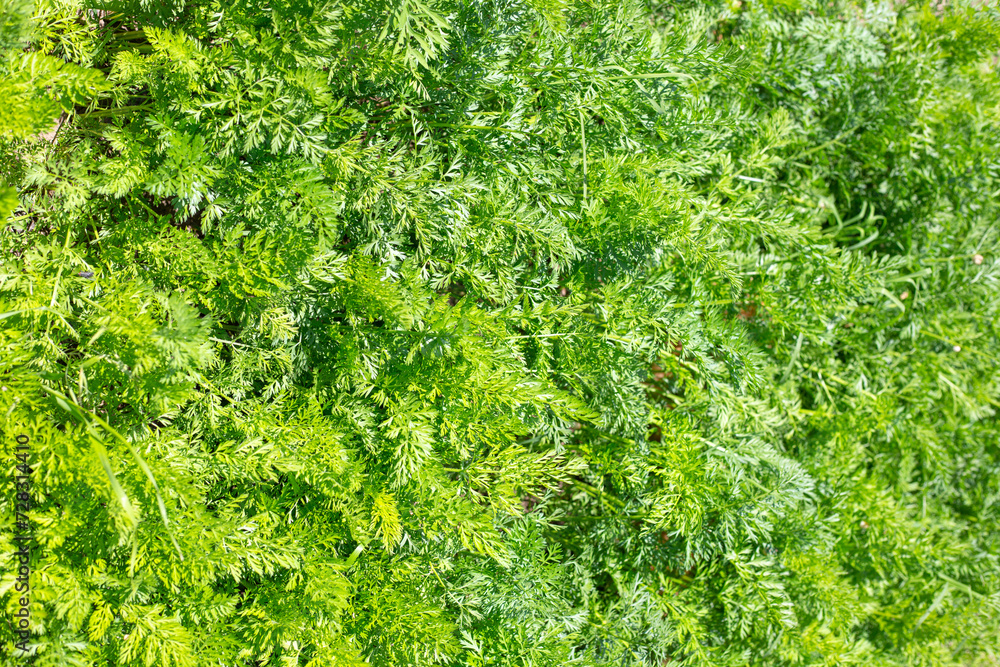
[[97, 113]]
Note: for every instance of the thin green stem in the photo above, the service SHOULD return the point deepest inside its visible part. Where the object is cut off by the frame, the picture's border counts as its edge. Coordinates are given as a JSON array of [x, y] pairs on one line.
[[98, 113]]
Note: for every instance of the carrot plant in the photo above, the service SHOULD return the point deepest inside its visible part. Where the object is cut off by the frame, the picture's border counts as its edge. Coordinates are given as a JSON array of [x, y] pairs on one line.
[[512, 332]]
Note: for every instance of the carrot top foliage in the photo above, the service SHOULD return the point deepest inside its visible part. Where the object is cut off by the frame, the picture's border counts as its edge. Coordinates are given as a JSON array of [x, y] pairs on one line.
[[512, 332]]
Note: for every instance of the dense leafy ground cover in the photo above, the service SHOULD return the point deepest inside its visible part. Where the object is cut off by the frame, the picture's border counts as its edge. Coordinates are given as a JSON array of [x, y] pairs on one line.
[[508, 332]]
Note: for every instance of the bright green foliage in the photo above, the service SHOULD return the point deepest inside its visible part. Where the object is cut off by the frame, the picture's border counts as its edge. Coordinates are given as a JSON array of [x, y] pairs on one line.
[[513, 332]]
